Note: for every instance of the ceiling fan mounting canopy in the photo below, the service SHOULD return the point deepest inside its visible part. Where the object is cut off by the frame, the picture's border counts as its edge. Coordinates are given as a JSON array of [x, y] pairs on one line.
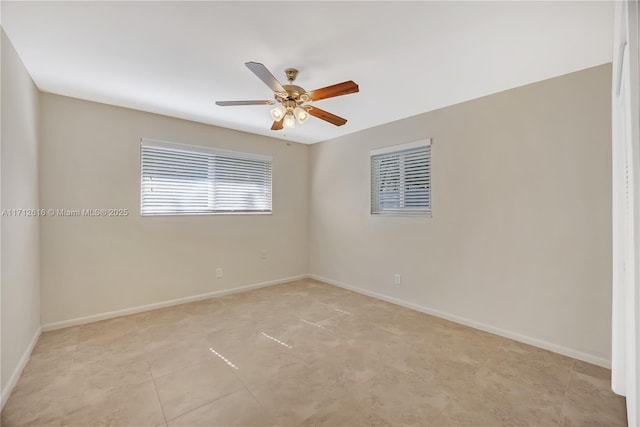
[[292, 98], [291, 73]]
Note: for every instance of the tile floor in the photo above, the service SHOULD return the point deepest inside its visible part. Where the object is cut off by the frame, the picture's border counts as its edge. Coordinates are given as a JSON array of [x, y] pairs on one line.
[[302, 353]]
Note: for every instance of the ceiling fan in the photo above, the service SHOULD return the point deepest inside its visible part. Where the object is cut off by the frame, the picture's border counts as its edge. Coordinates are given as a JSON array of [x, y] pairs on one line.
[[292, 99]]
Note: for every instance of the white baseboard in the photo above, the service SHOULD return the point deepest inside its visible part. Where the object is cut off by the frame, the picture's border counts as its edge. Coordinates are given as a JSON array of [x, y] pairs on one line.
[[570, 352], [15, 376], [163, 304]]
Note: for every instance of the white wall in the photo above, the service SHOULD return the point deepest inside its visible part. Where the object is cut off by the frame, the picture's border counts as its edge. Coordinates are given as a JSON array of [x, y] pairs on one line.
[[90, 158], [520, 239], [19, 281]]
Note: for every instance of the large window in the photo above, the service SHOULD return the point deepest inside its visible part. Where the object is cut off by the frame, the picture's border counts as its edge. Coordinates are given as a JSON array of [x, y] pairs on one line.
[[187, 180], [401, 179]]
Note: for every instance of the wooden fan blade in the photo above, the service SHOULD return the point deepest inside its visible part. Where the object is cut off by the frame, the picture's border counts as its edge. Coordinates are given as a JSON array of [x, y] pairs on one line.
[[231, 103], [278, 125], [339, 89], [265, 75], [326, 116]]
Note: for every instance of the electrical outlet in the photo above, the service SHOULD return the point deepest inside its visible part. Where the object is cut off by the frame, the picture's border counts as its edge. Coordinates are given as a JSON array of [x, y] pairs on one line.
[[219, 273], [263, 254], [397, 279]]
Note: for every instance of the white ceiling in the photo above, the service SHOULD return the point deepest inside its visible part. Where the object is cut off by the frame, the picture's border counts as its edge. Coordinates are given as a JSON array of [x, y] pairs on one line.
[[177, 58]]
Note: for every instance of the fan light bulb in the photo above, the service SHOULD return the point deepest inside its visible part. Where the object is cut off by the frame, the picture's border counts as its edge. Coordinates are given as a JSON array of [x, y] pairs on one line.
[[301, 114], [289, 121], [278, 113]]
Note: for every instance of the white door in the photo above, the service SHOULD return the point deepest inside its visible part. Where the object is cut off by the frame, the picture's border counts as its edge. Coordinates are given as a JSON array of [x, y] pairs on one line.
[[626, 209]]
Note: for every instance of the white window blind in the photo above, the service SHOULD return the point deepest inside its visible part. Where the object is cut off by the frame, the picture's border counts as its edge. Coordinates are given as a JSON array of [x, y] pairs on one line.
[[401, 179], [186, 180]]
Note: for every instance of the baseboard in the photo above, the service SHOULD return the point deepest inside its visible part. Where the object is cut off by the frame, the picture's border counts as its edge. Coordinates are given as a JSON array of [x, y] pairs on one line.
[[566, 351], [15, 376], [163, 304]]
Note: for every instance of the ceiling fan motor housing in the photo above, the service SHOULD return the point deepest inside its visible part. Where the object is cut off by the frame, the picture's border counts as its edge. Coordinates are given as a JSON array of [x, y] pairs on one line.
[[289, 104], [294, 93]]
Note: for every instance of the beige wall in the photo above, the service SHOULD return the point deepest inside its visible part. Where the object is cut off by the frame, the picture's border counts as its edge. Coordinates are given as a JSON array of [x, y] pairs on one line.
[[520, 238], [90, 158], [19, 281]]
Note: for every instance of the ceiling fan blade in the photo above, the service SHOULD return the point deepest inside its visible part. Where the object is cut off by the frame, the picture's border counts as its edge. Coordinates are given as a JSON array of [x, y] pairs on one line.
[[278, 125], [326, 116], [231, 103], [339, 89], [265, 75]]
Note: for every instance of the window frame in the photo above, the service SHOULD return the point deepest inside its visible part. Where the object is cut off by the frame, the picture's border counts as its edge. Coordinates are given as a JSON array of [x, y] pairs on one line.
[[403, 211], [157, 143]]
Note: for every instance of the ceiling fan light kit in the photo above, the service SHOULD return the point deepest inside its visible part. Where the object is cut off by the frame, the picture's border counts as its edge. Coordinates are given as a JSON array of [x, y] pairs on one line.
[[278, 113], [292, 98], [289, 121], [301, 114]]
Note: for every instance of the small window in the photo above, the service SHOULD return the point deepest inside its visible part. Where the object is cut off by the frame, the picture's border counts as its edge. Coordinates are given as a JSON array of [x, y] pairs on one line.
[[187, 180], [401, 179]]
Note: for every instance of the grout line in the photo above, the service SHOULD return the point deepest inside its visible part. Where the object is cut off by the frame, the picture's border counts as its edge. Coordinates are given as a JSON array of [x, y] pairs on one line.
[[246, 387], [197, 407], [232, 368], [481, 366], [159, 400], [203, 405], [566, 392]]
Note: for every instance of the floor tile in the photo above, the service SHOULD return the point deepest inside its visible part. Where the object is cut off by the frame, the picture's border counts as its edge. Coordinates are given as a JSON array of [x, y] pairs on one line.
[[301, 353], [36, 400], [590, 402], [403, 399], [520, 400], [237, 409], [44, 368], [62, 339], [135, 405], [262, 358], [106, 329], [107, 372], [467, 414], [39, 422], [592, 370], [178, 354], [290, 399], [184, 390], [345, 412]]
